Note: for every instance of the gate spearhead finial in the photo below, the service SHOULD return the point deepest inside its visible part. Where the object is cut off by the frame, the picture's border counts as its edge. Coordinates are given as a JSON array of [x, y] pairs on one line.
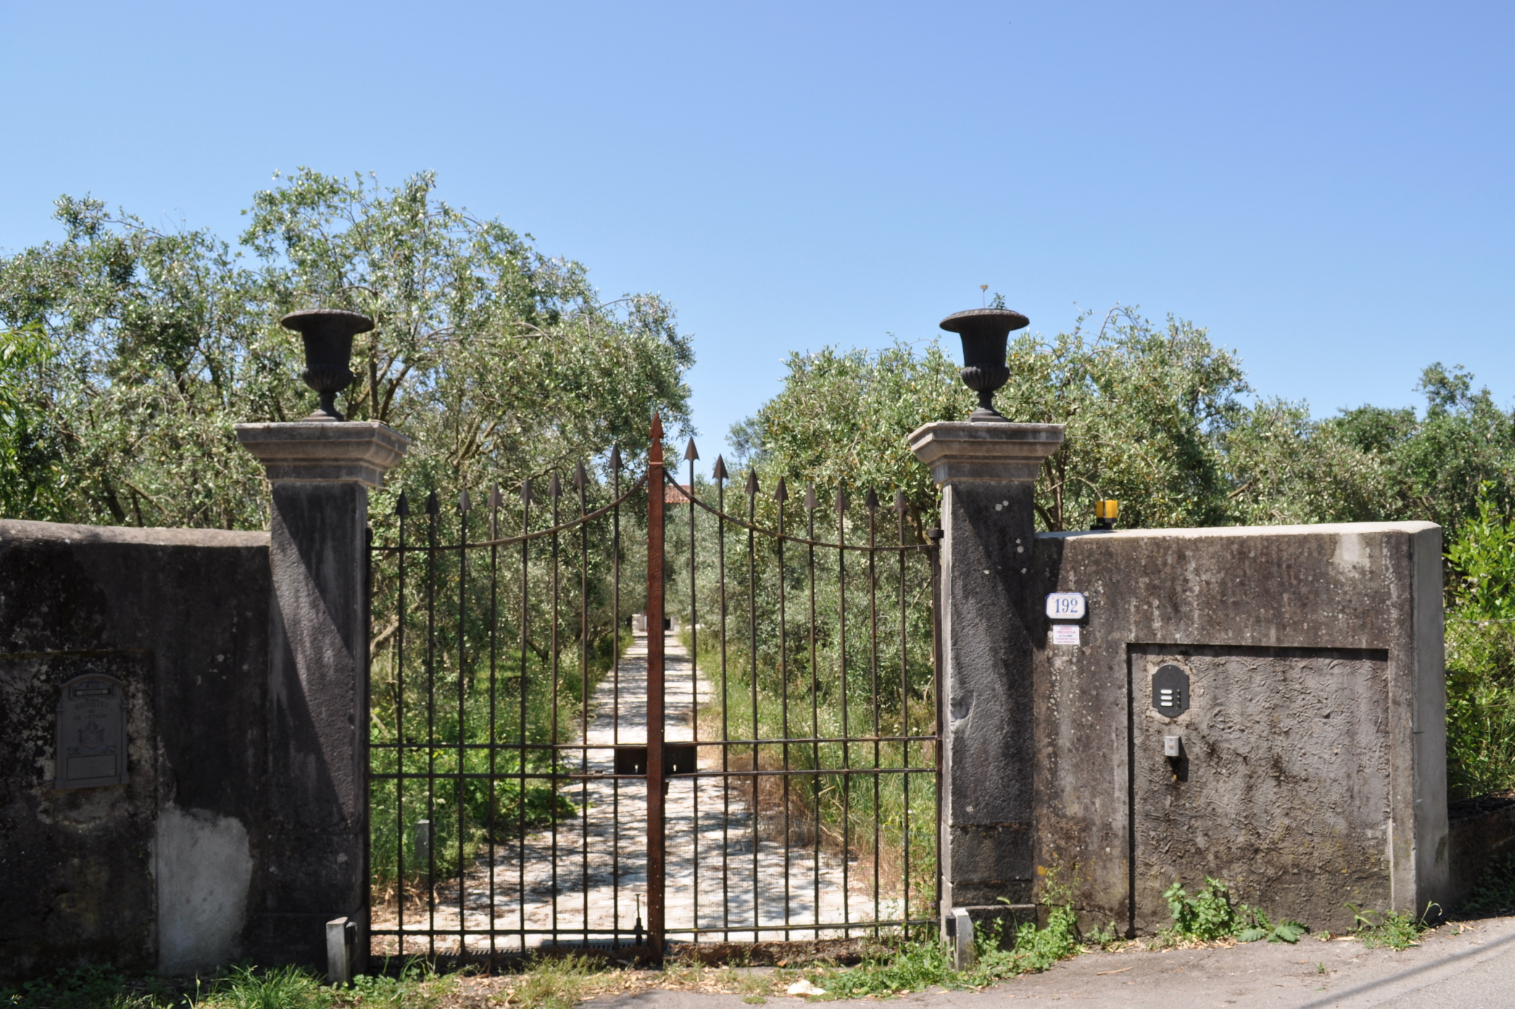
[[495, 499], [719, 472], [463, 503], [690, 452], [752, 484], [402, 506], [615, 457], [555, 489], [871, 499], [580, 477], [782, 493], [433, 506]]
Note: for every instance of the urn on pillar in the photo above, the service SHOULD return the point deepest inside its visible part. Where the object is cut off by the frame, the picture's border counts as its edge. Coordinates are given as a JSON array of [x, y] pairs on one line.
[[986, 334], [328, 334]]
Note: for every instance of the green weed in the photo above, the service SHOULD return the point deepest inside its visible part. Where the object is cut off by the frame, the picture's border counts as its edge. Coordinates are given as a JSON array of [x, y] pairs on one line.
[[910, 967], [1104, 938], [418, 986], [1205, 917], [1210, 915], [1395, 929]]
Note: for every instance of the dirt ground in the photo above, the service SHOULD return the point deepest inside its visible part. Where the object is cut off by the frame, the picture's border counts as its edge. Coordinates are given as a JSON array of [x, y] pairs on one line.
[[1466, 964]]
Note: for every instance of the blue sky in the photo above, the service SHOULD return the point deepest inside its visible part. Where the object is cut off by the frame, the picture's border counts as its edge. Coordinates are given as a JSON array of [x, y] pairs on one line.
[[1326, 187]]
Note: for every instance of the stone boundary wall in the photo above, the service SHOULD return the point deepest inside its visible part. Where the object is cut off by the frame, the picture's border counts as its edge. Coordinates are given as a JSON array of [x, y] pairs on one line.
[[1310, 768], [164, 871]]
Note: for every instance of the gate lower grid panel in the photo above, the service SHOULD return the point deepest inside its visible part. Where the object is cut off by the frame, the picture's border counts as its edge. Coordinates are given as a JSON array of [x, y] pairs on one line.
[[508, 691]]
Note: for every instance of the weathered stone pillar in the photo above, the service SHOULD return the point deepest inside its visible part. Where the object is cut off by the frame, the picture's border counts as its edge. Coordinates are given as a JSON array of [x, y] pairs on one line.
[[320, 473], [987, 472]]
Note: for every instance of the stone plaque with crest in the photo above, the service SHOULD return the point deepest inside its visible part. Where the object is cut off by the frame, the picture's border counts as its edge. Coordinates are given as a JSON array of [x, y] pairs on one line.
[[91, 747]]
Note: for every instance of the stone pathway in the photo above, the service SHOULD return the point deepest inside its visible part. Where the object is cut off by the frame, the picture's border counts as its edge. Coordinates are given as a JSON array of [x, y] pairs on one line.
[[706, 825]]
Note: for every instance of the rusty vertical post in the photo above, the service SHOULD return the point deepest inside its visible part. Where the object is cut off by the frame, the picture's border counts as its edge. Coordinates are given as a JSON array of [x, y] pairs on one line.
[[655, 797]]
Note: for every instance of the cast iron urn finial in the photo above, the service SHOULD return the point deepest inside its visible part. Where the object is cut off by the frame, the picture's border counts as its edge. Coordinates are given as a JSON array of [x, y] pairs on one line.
[[985, 333], [328, 334]]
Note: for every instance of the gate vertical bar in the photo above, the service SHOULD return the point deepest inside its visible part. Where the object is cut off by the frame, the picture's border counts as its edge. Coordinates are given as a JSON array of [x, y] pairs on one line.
[[402, 509], [581, 480], [433, 510], [462, 767], [691, 454], [655, 852], [615, 687]]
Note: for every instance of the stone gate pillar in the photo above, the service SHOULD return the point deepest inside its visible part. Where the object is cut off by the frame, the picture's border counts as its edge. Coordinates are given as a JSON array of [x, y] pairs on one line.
[[987, 470], [320, 472]]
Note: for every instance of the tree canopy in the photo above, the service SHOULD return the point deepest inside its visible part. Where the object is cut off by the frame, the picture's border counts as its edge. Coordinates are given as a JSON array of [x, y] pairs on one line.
[[1156, 418], [129, 352]]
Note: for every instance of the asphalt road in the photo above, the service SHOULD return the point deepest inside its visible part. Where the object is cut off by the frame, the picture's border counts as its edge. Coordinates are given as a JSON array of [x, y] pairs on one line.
[[1468, 965]]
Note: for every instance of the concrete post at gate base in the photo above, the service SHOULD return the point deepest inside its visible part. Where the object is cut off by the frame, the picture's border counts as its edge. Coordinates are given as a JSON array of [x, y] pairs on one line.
[[987, 472], [318, 690]]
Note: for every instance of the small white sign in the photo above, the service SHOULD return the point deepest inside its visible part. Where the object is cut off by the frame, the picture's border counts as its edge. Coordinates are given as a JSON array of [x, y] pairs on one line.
[[1065, 634], [1066, 606]]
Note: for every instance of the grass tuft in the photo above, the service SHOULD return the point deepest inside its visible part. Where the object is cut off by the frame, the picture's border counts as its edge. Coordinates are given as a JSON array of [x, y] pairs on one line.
[[553, 982]]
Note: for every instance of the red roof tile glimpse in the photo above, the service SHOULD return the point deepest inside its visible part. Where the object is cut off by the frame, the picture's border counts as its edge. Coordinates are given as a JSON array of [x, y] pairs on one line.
[[676, 493]]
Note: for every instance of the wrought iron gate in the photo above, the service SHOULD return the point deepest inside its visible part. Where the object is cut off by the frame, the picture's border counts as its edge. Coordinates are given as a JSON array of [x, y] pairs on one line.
[[549, 765]]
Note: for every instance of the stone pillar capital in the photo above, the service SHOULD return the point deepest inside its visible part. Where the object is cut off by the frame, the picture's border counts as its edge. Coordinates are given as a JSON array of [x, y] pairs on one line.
[[352, 451], [967, 452]]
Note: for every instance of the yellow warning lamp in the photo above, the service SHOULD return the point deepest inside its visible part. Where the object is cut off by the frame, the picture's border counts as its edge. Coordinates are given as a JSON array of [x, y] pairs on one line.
[[1105, 514]]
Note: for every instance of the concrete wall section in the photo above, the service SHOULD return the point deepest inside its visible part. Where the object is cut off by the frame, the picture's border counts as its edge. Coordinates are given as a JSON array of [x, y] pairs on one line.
[[1312, 768], [160, 870]]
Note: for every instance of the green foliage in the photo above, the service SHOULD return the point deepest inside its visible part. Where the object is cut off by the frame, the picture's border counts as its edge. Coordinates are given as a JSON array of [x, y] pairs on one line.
[[843, 417], [1395, 929], [1142, 404], [1155, 420], [1495, 892], [1035, 949], [1205, 917], [914, 966], [1210, 915], [90, 988], [129, 352], [1482, 559], [1480, 653]]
